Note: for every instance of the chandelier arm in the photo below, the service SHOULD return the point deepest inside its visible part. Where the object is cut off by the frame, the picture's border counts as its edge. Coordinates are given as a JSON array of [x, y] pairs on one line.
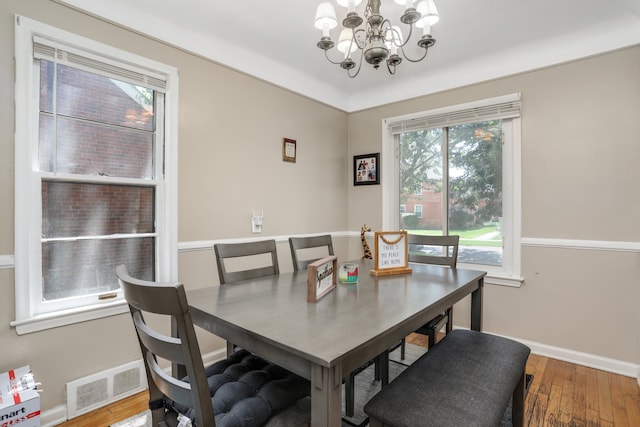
[[356, 38], [390, 28], [392, 72], [359, 66], [326, 54], [408, 37], [414, 60]]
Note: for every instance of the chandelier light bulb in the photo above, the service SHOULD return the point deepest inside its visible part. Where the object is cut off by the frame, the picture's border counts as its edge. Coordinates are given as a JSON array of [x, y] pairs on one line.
[[349, 4], [393, 39], [326, 18], [346, 44], [429, 13], [405, 3]]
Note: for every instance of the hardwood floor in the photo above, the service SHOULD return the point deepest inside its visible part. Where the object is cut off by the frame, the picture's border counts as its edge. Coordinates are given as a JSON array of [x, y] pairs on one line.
[[561, 395]]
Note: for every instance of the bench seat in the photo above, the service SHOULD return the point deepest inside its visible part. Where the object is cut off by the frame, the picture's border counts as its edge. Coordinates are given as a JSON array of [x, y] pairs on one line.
[[466, 380]]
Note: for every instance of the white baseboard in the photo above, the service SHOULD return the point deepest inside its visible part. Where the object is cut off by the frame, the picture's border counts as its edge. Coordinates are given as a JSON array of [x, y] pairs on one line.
[[214, 356], [53, 417], [60, 414], [583, 359], [57, 415]]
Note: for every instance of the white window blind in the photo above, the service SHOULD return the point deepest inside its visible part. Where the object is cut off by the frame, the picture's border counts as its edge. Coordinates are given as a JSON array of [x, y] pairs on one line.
[[88, 61], [505, 107]]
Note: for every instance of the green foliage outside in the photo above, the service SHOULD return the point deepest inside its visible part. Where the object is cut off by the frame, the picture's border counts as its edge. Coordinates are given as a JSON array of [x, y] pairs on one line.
[[474, 164]]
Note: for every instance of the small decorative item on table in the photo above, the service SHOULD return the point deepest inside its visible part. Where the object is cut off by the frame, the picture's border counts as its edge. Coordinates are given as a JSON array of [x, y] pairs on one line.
[[321, 277], [348, 273], [391, 253]]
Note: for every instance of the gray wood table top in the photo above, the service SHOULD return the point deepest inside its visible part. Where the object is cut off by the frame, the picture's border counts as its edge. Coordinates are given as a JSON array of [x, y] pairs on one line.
[[275, 309]]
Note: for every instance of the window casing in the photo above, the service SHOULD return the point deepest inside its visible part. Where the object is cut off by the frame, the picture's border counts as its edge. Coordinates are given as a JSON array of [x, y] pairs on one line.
[[503, 110], [95, 174]]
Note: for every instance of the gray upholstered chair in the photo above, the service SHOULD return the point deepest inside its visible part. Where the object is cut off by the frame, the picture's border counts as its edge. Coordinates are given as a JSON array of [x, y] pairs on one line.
[[304, 250], [259, 249], [242, 390], [467, 379]]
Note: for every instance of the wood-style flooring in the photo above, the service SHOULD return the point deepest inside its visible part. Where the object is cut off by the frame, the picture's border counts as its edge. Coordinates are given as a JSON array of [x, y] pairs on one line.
[[561, 395]]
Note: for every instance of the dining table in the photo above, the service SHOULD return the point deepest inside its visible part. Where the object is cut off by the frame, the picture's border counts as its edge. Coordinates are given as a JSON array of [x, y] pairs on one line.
[[324, 341]]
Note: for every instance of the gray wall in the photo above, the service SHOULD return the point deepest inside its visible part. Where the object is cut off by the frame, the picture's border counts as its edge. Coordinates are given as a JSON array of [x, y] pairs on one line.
[[230, 162], [580, 169], [580, 163]]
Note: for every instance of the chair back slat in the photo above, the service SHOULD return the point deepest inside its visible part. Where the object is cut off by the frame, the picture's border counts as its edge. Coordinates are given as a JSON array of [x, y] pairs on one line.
[[226, 251], [176, 390], [298, 244], [444, 249], [164, 346]]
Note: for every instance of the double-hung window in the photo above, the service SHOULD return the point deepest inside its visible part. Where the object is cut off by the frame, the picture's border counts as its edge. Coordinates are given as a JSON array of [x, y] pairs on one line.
[[465, 160], [95, 175]]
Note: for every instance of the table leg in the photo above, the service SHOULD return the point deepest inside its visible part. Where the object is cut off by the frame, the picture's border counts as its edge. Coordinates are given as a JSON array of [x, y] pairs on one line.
[[476, 306], [326, 395]]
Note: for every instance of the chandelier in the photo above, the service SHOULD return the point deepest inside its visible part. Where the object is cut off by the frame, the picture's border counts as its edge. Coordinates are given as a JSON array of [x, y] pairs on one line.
[[378, 41]]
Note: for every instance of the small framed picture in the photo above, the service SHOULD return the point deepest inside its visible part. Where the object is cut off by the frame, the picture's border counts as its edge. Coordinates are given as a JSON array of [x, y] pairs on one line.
[[366, 169], [289, 150]]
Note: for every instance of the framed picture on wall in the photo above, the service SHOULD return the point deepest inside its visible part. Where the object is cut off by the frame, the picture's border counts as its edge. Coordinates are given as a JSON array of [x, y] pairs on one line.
[[288, 150], [366, 169]]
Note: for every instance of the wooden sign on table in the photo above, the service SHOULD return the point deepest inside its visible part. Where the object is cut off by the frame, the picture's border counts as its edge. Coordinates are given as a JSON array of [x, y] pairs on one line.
[[391, 253], [321, 277]]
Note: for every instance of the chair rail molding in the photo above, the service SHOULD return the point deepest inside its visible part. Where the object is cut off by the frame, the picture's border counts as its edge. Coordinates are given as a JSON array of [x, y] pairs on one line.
[[593, 245], [7, 261], [205, 245]]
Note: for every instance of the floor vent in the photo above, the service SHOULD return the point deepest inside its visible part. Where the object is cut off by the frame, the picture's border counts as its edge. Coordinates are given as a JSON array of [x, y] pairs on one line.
[[97, 390]]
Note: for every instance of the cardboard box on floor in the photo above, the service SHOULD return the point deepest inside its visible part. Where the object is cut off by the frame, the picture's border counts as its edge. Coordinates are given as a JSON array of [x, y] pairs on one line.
[[19, 399]]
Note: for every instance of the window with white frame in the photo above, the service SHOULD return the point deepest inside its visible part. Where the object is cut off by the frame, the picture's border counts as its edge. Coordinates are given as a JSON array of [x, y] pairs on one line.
[[467, 158], [95, 175]]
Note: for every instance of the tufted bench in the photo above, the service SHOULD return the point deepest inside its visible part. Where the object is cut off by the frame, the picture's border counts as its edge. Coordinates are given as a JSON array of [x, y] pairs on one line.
[[249, 391], [467, 379]]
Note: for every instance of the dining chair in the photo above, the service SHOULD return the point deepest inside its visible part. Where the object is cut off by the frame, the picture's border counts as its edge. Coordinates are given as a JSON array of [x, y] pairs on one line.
[[438, 250], [241, 390], [262, 253], [305, 250]]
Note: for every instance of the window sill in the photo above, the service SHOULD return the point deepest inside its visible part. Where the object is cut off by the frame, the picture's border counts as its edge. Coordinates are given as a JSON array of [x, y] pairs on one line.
[[496, 275], [514, 282], [68, 317]]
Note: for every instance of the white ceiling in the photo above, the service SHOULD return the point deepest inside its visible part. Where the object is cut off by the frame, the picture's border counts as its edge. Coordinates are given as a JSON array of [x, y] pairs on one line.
[[477, 40]]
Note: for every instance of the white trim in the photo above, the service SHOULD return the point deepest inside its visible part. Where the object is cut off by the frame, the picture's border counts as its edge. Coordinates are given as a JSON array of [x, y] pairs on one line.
[[7, 261], [67, 317], [204, 245], [509, 273], [496, 279], [58, 414], [584, 359], [468, 112], [30, 311], [214, 356], [54, 416], [607, 364], [593, 245]]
